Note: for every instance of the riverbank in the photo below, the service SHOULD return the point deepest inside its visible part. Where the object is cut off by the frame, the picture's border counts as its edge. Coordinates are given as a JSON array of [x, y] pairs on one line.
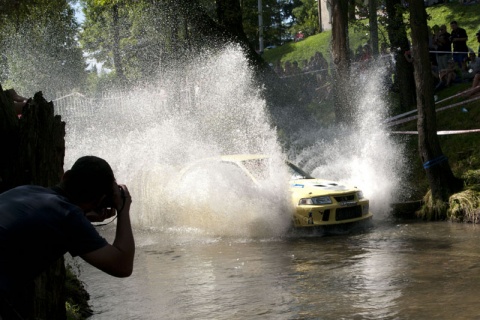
[[457, 119]]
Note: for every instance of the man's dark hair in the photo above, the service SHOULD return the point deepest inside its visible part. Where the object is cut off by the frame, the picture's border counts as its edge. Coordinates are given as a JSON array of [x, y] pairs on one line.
[[454, 22], [89, 178]]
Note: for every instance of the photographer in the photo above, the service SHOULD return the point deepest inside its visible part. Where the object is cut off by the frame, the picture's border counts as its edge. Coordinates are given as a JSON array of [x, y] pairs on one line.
[[39, 225], [459, 40]]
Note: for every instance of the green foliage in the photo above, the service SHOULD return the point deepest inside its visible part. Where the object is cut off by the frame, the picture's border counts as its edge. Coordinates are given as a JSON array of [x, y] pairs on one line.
[[73, 311], [76, 297], [273, 15], [152, 36], [40, 51], [465, 15], [299, 51], [471, 177], [306, 17], [432, 209], [465, 206]]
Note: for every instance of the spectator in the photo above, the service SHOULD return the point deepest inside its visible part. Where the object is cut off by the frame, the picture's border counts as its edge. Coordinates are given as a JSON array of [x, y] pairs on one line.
[[39, 225], [448, 76], [478, 39], [277, 67], [408, 54], [295, 68], [435, 73], [299, 36], [475, 89], [472, 66], [288, 70], [459, 40], [432, 45], [444, 47]]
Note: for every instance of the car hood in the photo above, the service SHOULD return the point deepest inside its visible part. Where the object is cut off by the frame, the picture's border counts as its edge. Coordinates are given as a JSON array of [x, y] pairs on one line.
[[319, 186]]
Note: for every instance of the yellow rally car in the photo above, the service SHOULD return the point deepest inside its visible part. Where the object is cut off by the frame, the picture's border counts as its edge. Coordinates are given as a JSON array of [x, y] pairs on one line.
[[316, 202]]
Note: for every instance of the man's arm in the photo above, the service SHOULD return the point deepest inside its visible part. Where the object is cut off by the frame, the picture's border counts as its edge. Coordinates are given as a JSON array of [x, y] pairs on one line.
[[117, 258]]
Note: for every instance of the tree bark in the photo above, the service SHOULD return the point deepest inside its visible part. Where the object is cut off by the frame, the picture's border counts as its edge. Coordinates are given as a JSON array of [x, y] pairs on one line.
[[441, 179], [404, 81], [340, 52], [351, 10], [373, 25], [33, 150], [9, 139], [117, 58]]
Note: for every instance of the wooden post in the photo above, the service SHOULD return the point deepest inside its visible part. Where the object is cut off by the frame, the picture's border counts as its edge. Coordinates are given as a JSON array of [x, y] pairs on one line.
[[33, 150]]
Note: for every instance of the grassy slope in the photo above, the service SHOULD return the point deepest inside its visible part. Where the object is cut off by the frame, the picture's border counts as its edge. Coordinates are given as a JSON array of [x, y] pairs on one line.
[[466, 16], [462, 150]]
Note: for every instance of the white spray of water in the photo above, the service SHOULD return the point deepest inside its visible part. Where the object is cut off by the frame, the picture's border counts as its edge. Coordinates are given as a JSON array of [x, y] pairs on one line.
[[212, 109], [147, 137], [361, 154]]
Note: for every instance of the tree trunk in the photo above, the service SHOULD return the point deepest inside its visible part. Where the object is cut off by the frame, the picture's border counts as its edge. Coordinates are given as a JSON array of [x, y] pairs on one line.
[[9, 139], [229, 15], [440, 177], [351, 10], [404, 81], [117, 59], [340, 52], [372, 17], [319, 8], [36, 157]]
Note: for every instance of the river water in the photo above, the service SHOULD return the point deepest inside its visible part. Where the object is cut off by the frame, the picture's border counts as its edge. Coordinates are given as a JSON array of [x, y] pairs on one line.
[[390, 270], [222, 250]]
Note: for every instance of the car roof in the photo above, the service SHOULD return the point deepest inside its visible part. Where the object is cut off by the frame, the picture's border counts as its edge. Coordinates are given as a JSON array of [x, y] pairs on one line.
[[243, 157]]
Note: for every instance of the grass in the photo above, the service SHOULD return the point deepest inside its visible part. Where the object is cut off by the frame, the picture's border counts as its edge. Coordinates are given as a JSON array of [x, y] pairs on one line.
[[465, 206], [465, 15]]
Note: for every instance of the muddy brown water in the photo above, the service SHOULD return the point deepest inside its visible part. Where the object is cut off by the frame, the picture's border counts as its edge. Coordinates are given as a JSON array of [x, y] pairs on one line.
[[390, 271]]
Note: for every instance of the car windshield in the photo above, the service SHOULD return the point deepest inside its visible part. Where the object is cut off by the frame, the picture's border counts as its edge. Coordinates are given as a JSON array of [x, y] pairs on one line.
[[297, 173], [259, 168]]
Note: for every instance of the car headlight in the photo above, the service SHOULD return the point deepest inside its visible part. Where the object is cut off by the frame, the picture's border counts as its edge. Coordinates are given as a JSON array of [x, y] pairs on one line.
[[315, 200], [359, 195]]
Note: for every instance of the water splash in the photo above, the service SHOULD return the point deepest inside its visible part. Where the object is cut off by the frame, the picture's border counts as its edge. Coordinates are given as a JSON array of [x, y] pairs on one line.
[[362, 153], [212, 108]]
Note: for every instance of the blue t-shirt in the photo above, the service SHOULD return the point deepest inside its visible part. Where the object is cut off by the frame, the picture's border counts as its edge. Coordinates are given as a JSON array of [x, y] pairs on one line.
[[37, 227]]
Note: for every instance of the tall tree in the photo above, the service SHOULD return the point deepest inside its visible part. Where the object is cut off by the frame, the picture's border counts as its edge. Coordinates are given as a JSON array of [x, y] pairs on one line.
[[40, 39], [306, 16], [117, 59], [105, 27], [341, 59], [373, 25], [33, 152], [273, 16], [441, 179], [403, 81]]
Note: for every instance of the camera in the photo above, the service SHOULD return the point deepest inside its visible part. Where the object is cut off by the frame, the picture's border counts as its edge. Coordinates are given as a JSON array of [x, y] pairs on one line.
[[108, 200]]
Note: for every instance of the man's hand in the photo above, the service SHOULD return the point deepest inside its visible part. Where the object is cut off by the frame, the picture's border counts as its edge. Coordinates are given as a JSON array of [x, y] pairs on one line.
[[121, 197], [120, 200], [117, 259]]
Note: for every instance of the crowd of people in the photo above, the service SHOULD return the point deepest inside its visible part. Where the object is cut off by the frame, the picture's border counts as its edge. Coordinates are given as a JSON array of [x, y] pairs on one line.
[[451, 59]]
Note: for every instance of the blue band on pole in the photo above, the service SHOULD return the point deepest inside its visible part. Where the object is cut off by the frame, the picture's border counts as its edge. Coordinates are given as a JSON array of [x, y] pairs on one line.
[[434, 162]]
